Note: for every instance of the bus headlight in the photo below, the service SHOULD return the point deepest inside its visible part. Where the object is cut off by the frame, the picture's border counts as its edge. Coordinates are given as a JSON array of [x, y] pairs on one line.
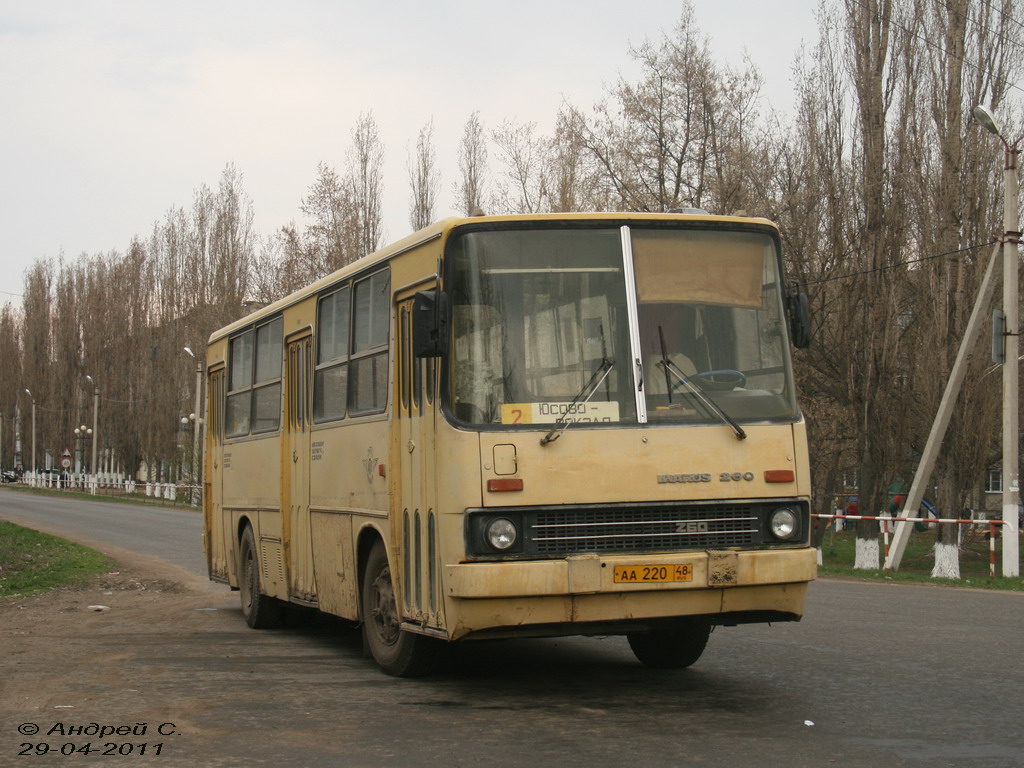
[[501, 533], [783, 523]]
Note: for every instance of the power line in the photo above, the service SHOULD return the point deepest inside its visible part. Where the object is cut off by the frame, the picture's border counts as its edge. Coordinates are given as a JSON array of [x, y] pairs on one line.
[[996, 32], [934, 46], [1005, 15], [898, 264], [128, 402], [104, 399]]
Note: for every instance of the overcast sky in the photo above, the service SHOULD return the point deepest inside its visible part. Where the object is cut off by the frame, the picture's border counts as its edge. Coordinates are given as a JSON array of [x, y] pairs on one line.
[[114, 111]]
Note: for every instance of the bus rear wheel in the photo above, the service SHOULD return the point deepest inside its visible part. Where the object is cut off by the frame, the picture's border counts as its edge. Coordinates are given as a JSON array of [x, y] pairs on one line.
[[397, 652], [259, 610], [672, 646]]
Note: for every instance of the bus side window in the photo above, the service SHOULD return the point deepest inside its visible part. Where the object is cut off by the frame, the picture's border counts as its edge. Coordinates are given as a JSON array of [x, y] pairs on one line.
[[330, 381], [266, 408], [431, 376], [368, 380], [239, 400], [417, 382], [411, 379], [215, 403], [404, 357]]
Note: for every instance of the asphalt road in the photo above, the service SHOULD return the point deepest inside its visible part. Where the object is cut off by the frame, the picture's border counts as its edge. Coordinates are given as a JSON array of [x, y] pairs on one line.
[[875, 675], [174, 535]]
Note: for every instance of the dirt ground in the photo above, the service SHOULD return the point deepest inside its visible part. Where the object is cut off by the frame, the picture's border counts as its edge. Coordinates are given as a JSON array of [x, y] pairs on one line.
[[171, 655], [105, 655]]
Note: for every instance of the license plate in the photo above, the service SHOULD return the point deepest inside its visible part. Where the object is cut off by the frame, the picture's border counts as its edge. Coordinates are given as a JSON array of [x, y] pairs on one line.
[[652, 574]]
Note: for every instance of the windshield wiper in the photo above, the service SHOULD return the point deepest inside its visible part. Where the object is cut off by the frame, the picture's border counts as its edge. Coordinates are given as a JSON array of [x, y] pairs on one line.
[[588, 390], [702, 396]]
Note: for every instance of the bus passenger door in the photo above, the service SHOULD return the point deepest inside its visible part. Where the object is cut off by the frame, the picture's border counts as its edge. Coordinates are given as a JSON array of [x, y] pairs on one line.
[[219, 545], [416, 388], [295, 474]]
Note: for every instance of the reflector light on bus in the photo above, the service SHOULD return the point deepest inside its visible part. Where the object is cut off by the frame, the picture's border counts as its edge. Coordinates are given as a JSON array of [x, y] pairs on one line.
[[779, 476], [505, 484]]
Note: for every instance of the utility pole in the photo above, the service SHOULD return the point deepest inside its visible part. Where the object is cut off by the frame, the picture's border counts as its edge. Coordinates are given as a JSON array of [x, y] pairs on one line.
[[19, 464], [1011, 343], [1008, 245], [197, 421], [95, 434], [29, 393], [926, 465]]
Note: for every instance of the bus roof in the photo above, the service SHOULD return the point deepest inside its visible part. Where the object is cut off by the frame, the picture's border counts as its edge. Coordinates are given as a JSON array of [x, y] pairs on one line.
[[440, 228]]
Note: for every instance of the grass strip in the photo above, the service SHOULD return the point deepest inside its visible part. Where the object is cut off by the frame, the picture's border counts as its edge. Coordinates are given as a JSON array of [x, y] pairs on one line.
[[111, 495], [32, 562], [839, 552]]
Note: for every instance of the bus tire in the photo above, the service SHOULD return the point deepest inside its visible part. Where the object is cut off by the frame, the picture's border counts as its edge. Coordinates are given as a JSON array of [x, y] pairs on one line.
[[259, 610], [398, 653], [674, 646]]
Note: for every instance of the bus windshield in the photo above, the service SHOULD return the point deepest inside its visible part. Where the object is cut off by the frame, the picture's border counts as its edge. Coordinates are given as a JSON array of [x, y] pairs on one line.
[[617, 326]]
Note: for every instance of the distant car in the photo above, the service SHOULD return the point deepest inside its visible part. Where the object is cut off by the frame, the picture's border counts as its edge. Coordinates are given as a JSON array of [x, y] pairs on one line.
[[10, 476]]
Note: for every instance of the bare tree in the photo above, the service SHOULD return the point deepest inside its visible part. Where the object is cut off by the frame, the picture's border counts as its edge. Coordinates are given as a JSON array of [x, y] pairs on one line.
[[233, 245], [521, 152], [652, 138], [882, 214], [272, 278], [37, 352], [331, 230], [571, 184], [868, 33], [472, 190], [577, 177], [424, 179], [10, 372], [366, 184], [969, 61]]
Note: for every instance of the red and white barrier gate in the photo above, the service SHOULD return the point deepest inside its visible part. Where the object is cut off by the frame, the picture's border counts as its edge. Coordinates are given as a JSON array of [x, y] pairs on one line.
[[885, 520]]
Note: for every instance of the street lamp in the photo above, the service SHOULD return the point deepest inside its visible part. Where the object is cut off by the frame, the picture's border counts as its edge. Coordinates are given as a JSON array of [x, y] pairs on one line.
[[82, 434], [2, 420], [197, 421], [1011, 239], [29, 393], [95, 434], [19, 460]]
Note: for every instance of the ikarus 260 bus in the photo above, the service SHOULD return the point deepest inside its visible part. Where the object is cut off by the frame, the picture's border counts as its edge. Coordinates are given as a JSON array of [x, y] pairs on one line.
[[514, 426]]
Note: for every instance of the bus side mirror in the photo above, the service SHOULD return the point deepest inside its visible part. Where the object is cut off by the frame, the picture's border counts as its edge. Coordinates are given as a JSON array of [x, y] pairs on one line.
[[430, 324], [799, 309]]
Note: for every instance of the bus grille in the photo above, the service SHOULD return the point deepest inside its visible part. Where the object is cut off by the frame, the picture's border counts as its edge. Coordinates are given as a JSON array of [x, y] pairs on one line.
[[566, 531]]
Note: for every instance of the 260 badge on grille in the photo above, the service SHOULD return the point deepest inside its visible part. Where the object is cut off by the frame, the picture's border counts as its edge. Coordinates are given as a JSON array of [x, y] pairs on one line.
[[652, 574]]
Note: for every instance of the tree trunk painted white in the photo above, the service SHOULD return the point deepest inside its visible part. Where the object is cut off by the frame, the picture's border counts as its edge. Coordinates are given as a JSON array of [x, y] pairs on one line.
[[947, 562], [867, 554], [820, 561]]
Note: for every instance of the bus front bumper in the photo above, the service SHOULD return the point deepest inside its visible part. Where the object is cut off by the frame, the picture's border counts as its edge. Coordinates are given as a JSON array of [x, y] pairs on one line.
[[521, 598]]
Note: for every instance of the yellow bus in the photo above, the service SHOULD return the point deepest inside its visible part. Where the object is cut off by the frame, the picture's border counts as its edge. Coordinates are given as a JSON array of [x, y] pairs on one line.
[[520, 426]]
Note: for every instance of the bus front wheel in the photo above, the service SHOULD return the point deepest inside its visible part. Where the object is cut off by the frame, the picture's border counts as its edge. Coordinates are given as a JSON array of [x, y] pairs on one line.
[[397, 652], [259, 610], [673, 646]]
